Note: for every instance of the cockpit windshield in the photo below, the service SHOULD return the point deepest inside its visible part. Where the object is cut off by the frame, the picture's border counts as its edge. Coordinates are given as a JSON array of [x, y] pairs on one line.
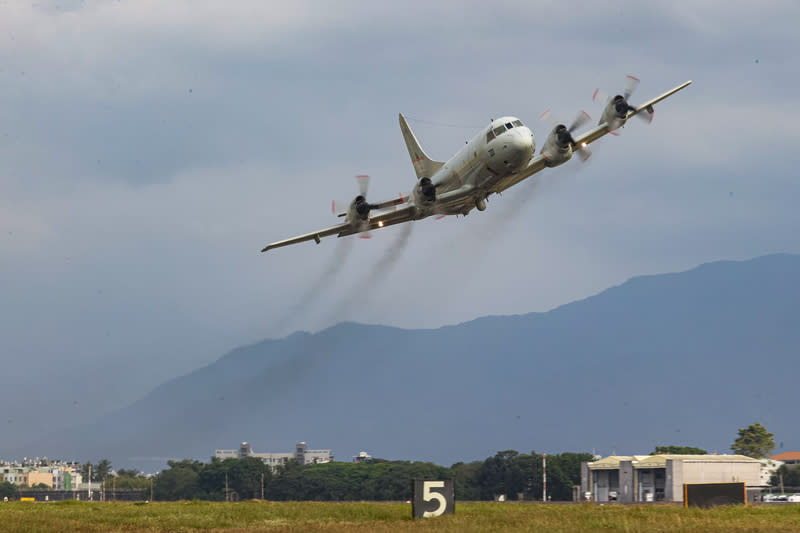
[[491, 134]]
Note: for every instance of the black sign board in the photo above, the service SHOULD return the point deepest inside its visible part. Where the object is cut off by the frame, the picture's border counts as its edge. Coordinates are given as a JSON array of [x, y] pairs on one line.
[[714, 494], [432, 498]]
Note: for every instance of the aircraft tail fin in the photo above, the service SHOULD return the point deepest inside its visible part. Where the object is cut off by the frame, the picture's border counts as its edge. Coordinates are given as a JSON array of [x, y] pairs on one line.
[[424, 166]]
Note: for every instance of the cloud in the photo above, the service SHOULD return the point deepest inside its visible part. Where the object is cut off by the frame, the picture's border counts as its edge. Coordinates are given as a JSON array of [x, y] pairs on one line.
[[149, 150]]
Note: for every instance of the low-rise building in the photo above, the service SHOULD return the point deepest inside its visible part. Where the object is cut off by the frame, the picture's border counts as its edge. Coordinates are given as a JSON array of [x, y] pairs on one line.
[[768, 468], [645, 478], [788, 458], [59, 475]]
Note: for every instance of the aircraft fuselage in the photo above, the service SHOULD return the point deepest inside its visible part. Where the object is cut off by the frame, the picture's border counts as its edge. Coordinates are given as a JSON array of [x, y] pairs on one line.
[[501, 149]]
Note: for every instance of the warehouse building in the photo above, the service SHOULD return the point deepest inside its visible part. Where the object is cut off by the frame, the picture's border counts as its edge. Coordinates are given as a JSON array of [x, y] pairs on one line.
[[648, 478]]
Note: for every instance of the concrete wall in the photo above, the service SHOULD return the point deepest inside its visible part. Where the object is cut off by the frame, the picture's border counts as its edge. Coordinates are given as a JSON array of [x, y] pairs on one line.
[[721, 472], [680, 471], [626, 482]]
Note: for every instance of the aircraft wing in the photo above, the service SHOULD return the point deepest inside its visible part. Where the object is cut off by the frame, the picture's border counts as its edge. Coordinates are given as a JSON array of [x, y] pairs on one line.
[[313, 236], [538, 163], [446, 203]]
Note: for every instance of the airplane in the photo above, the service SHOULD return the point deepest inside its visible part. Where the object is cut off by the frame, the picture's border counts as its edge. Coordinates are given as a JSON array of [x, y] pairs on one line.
[[498, 157]]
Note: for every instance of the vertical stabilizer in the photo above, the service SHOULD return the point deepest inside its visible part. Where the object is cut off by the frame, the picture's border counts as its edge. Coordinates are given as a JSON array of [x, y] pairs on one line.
[[424, 166]]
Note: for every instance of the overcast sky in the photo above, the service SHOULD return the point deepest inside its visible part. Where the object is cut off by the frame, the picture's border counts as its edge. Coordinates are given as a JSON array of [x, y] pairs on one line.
[[149, 150]]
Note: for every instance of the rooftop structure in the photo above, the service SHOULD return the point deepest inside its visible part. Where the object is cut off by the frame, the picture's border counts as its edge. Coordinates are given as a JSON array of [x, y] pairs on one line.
[[361, 457]]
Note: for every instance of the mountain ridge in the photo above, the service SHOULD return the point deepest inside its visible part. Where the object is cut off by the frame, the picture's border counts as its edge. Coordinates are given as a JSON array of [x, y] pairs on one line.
[[664, 358]]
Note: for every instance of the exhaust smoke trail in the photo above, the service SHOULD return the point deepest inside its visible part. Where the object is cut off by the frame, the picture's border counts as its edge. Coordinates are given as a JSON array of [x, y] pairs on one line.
[[385, 263], [325, 280], [380, 269]]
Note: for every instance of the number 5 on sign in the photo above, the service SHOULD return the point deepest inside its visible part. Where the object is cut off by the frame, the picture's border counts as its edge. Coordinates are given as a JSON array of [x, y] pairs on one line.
[[433, 498]]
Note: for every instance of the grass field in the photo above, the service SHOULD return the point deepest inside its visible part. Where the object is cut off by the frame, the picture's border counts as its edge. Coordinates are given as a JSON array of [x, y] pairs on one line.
[[73, 516]]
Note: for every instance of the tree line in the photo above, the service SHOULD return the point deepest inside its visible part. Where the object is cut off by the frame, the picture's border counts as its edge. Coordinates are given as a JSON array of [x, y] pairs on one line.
[[508, 472]]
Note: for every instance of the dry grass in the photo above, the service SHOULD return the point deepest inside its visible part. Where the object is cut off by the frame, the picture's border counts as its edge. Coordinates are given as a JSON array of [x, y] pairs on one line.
[[84, 517]]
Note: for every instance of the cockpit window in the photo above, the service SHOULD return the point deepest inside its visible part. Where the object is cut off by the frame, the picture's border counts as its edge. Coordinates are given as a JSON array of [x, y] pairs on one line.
[[509, 125], [517, 123], [489, 136], [499, 129]]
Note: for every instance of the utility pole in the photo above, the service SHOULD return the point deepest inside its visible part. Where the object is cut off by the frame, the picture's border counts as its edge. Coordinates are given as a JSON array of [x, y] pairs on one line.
[[262, 485], [227, 494], [544, 477], [90, 481], [151, 488]]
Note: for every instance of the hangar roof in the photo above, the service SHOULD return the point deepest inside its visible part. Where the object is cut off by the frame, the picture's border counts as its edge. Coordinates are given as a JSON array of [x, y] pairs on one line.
[[660, 461], [612, 461]]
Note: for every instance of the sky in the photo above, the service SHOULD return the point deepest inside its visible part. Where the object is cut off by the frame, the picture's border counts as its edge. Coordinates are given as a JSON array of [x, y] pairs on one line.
[[149, 150]]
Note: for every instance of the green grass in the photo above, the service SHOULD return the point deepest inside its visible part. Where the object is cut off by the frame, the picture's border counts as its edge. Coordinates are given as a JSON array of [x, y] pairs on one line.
[[255, 516]]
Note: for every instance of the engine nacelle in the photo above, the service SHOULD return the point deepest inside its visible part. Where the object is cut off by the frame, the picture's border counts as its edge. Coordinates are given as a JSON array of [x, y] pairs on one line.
[[557, 148], [616, 112], [424, 192], [359, 209]]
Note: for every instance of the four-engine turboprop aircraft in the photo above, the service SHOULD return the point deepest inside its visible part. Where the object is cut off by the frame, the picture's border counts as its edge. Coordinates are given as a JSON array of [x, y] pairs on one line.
[[497, 158]]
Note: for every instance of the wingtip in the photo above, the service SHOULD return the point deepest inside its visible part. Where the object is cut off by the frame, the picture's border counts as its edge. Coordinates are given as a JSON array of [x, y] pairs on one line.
[[265, 249]]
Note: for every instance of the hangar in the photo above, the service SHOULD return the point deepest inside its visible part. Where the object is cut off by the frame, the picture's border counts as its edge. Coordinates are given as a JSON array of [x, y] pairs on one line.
[[648, 478]]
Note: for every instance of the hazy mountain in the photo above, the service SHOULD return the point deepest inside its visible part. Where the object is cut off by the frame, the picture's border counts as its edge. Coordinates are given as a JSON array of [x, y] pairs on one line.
[[685, 358]]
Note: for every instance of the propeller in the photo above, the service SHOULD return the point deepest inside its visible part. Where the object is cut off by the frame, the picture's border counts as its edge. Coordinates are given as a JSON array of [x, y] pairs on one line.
[[621, 105], [564, 133], [359, 203]]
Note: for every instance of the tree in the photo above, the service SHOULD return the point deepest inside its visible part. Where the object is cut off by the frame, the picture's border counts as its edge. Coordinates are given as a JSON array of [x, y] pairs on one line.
[[754, 441], [679, 450], [180, 482], [123, 472], [466, 480], [101, 470], [245, 477], [789, 476], [7, 490]]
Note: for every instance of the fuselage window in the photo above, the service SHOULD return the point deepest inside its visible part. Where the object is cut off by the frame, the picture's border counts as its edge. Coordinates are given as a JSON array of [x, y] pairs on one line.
[[500, 129], [517, 123], [509, 125], [489, 136]]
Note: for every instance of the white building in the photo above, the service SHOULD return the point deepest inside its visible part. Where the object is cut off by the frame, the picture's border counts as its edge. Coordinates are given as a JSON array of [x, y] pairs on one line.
[[301, 454], [361, 457], [768, 467], [645, 478]]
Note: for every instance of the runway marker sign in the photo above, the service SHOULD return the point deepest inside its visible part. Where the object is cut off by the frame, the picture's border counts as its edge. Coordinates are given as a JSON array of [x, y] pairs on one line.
[[432, 498]]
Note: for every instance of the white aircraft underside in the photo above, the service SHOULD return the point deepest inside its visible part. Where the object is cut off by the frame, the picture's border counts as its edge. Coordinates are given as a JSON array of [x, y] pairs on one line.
[[495, 159]]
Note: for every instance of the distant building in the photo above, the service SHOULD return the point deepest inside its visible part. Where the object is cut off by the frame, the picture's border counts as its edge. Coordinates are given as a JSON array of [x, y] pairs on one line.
[[361, 457], [301, 454], [768, 468], [59, 475], [788, 458], [646, 478]]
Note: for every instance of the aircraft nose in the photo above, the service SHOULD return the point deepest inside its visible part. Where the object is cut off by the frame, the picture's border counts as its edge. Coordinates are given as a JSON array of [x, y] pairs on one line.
[[519, 148]]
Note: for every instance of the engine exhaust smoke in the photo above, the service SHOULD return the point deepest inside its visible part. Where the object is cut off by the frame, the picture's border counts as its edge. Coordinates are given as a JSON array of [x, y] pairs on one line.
[[325, 280]]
